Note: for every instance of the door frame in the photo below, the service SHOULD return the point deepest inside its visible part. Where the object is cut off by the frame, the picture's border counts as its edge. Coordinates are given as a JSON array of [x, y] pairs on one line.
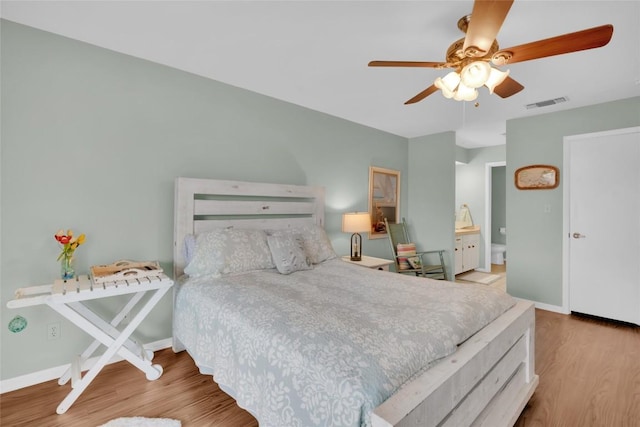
[[566, 217], [488, 185]]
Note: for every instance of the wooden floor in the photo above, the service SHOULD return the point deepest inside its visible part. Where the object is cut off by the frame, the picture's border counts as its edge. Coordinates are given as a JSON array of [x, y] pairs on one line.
[[589, 376], [589, 373]]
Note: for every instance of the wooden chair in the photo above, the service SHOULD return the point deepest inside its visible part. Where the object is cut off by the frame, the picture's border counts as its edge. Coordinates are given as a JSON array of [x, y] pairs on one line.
[[417, 264]]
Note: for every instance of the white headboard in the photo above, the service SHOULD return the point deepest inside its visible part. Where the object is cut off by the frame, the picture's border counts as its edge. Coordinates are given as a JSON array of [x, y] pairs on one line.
[[204, 204]]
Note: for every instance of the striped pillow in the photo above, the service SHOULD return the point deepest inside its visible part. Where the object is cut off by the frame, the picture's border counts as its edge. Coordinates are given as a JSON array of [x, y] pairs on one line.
[[405, 251]]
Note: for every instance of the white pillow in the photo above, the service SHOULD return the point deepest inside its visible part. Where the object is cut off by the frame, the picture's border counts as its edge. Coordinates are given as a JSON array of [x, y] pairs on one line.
[[317, 245], [229, 250], [189, 247], [288, 253]]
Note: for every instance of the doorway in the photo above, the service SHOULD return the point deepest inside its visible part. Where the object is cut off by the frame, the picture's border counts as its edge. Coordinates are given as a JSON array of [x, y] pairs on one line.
[[489, 227]]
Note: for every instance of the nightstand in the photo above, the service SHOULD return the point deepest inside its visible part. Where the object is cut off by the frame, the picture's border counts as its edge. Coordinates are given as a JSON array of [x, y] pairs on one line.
[[370, 262]]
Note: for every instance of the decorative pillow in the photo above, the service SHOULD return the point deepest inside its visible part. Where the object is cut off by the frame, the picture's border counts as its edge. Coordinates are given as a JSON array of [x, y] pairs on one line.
[[288, 253], [189, 247], [406, 256], [230, 250], [317, 245]]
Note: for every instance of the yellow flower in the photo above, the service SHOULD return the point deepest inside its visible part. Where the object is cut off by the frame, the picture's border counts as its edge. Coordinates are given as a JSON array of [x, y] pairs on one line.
[[69, 243]]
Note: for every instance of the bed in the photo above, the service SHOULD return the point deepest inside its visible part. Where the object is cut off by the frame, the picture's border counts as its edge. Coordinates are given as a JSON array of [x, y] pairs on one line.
[[312, 340]]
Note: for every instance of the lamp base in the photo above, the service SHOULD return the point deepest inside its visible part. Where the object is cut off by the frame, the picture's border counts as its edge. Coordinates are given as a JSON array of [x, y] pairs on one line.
[[356, 247]]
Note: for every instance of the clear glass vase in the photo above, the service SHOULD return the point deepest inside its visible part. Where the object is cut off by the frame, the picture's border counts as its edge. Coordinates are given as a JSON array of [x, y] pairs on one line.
[[66, 268]]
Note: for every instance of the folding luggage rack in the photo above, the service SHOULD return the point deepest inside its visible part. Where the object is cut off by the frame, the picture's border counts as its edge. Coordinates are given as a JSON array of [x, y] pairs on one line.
[[67, 296]]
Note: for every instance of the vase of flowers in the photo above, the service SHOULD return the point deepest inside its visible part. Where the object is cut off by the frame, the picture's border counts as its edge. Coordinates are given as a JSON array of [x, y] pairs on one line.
[[69, 244]]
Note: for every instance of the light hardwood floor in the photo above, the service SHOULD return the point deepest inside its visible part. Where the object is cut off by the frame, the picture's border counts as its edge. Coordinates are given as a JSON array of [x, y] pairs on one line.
[[589, 373], [589, 377]]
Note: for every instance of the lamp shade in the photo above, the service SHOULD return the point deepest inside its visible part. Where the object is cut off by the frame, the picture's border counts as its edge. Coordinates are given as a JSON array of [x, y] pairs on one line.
[[495, 78], [356, 222], [448, 84], [465, 93], [475, 74]]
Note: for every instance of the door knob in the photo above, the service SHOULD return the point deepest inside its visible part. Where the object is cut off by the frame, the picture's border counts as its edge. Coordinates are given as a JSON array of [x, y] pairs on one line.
[[578, 236]]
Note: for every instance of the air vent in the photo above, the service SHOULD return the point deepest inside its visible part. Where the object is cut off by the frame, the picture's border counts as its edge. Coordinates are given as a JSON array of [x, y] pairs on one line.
[[547, 102]]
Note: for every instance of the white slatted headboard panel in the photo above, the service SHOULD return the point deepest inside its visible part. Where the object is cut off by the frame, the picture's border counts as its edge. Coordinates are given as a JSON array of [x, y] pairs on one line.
[[203, 204]]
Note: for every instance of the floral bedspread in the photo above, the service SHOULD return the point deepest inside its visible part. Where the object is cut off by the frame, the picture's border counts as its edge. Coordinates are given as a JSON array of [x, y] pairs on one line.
[[324, 347]]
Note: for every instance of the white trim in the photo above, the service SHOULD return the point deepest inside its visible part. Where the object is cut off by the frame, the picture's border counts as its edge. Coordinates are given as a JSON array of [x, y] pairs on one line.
[[566, 217], [546, 307], [488, 167], [49, 374], [566, 158]]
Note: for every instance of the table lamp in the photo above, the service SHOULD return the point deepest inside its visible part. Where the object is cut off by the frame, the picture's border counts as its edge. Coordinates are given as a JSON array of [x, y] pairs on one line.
[[356, 222]]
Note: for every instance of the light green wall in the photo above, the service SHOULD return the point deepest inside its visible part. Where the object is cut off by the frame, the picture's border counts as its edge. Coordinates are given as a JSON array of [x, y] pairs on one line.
[[471, 187], [93, 139], [432, 193], [534, 236]]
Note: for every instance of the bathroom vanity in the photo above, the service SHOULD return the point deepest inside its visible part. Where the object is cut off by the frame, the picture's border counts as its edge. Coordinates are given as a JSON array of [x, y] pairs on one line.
[[467, 249]]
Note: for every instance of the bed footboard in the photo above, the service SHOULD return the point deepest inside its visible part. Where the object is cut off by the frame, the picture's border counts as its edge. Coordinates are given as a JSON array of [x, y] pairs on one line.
[[486, 382]]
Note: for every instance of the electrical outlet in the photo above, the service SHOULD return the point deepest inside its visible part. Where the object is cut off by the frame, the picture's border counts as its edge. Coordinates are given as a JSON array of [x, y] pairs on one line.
[[53, 331]]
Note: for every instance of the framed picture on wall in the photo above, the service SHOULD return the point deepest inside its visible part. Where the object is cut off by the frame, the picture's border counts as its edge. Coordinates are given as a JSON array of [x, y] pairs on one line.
[[537, 177], [384, 199]]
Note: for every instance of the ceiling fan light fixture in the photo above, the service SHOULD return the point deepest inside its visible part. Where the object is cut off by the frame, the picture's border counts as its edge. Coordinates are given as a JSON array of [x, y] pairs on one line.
[[495, 78], [465, 93], [475, 74]]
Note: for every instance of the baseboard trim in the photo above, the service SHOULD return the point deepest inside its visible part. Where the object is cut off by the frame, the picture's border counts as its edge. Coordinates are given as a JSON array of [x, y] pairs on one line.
[[547, 307], [45, 375]]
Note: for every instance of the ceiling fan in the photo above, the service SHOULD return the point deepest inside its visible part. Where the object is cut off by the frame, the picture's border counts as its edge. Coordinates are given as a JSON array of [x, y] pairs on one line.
[[471, 57]]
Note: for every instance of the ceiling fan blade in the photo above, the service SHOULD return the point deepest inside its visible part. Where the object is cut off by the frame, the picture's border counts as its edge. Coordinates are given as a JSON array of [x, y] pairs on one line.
[[573, 42], [406, 64], [507, 88], [422, 95], [486, 19]]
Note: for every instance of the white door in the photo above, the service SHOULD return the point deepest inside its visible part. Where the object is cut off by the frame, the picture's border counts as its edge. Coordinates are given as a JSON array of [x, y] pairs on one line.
[[604, 228]]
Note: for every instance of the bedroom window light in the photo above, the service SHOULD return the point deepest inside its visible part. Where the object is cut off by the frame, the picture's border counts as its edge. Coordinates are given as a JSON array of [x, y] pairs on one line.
[[356, 222]]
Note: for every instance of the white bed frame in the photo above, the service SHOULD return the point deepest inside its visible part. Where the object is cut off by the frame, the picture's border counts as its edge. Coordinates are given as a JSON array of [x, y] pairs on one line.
[[486, 382]]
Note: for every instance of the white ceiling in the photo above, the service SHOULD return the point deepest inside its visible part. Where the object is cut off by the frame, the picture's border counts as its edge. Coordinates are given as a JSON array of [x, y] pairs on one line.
[[315, 53]]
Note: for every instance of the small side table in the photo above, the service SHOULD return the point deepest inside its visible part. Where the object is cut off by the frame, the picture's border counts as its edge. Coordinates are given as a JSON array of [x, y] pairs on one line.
[[370, 262], [66, 296]]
